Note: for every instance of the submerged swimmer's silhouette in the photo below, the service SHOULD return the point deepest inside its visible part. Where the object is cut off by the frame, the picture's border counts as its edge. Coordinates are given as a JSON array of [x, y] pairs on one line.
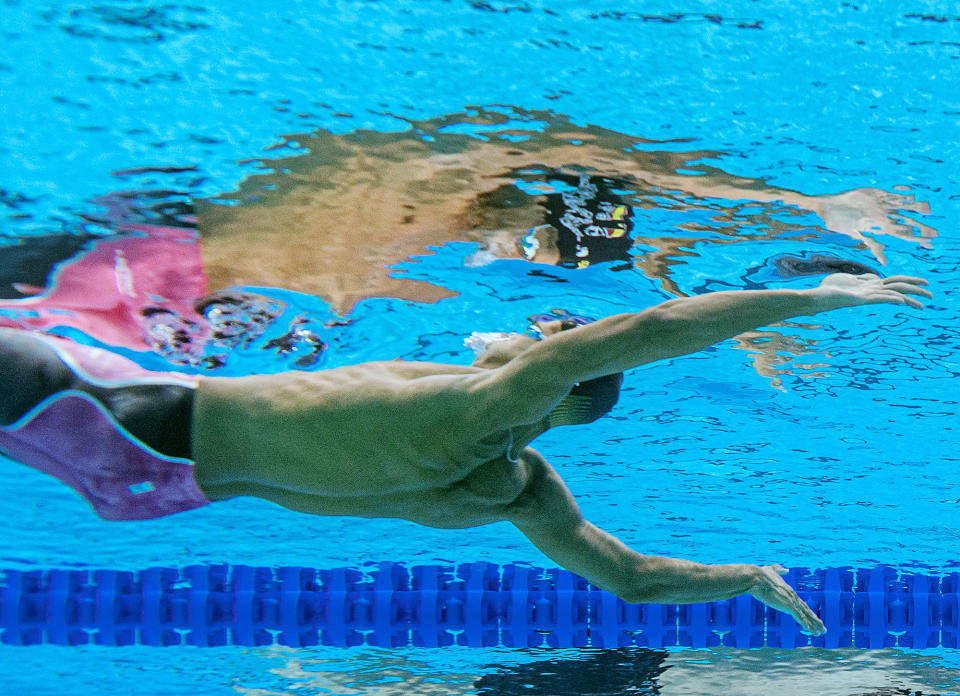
[[523, 185], [335, 221], [437, 444]]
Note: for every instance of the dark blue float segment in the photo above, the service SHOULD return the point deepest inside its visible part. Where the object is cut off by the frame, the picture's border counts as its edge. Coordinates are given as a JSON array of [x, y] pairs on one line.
[[737, 622], [905, 610], [474, 604]]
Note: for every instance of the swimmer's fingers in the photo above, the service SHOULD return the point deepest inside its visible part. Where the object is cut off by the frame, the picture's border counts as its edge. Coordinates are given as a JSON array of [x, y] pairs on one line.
[[912, 280], [898, 287], [806, 617], [908, 224], [898, 202], [893, 297], [904, 300], [908, 289], [777, 594], [843, 290]]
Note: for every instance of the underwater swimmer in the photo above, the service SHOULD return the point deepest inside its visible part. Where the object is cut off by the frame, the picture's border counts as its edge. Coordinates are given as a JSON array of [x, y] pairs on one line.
[[440, 445]]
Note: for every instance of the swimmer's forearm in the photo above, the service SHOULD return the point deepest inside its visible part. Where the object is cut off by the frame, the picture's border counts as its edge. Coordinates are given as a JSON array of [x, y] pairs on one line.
[[675, 581], [716, 184], [673, 328], [611, 565], [690, 324], [548, 515]]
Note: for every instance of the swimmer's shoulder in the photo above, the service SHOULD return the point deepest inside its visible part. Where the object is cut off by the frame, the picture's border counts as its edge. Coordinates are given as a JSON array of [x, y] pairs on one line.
[[296, 385]]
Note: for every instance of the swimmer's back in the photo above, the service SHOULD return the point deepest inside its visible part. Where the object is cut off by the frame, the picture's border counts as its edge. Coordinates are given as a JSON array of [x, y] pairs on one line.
[[350, 431]]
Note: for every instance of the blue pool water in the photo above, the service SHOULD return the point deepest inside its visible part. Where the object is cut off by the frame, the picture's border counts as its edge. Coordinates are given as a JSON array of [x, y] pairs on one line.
[[831, 442]]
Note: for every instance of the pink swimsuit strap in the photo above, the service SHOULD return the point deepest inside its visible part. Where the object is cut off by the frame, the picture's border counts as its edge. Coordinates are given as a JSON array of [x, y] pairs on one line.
[[72, 437]]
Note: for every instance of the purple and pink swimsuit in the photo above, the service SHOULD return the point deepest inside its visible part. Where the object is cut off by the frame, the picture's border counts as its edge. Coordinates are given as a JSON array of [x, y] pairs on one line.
[[73, 437], [70, 435]]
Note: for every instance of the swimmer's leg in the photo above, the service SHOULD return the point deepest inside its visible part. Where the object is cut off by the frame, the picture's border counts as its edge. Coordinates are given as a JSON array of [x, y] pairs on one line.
[[31, 371]]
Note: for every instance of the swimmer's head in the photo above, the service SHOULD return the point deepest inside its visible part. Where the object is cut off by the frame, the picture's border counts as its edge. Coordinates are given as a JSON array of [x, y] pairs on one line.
[[542, 325]]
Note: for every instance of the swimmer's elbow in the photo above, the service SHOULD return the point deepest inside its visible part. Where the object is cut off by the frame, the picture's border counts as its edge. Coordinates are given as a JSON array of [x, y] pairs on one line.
[[544, 504]]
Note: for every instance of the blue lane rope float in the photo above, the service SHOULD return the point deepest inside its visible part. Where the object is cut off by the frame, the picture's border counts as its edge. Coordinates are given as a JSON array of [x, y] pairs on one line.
[[474, 604]]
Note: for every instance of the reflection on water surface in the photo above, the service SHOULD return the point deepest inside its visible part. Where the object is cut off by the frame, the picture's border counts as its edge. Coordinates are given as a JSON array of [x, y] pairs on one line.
[[611, 673], [336, 218]]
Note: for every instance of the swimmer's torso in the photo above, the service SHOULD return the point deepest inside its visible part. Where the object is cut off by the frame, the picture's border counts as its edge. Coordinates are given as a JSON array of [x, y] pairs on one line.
[[347, 433]]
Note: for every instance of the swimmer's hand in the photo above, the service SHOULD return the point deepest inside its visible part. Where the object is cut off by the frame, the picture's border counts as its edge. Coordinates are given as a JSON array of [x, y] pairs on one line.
[[845, 290], [777, 594]]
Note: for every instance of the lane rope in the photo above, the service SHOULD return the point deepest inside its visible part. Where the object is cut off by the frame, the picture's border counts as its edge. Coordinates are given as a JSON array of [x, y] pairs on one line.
[[392, 605]]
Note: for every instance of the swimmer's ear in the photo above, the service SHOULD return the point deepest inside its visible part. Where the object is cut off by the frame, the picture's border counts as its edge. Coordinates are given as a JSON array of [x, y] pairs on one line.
[[540, 245]]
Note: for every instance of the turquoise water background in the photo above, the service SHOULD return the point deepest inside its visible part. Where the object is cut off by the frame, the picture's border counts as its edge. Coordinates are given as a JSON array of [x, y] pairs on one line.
[[702, 458]]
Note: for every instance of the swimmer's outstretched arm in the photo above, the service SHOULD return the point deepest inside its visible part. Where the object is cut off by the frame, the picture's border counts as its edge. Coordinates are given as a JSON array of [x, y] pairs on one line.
[[543, 373], [547, 514]]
